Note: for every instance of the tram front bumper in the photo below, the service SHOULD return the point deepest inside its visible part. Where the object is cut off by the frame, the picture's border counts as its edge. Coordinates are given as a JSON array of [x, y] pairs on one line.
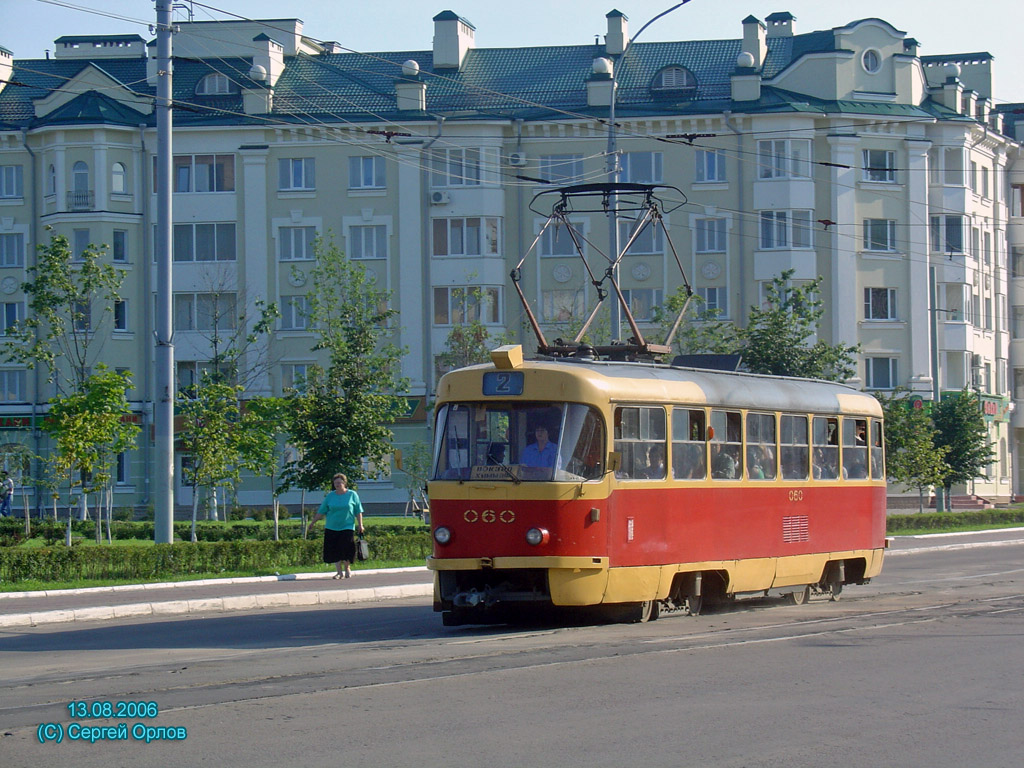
[[504, 563]]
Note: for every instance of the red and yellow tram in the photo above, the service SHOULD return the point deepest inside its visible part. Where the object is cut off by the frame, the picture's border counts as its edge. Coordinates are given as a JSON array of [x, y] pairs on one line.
[[643, 488]]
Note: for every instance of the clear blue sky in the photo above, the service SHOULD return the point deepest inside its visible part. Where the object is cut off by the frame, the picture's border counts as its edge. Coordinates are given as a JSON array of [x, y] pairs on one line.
[[28, 27]]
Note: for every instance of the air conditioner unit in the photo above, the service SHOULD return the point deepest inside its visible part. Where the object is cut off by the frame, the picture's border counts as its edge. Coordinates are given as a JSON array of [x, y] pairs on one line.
[[517, 159], [439, 198]]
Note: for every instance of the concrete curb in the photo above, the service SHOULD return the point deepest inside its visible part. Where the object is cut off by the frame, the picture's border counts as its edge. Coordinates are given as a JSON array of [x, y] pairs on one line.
[[216, 604]]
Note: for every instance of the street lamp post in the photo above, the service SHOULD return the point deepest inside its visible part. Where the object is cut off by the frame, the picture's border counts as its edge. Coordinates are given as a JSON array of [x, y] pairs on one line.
[[613, 168]]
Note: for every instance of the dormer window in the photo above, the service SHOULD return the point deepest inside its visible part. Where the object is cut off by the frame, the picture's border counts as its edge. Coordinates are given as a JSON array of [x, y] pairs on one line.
[[871, 60], [674, 81], [213, 84]]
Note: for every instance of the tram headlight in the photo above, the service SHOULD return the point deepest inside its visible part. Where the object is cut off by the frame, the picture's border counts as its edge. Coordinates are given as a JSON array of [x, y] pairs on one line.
[[442, 535], [537, 536]]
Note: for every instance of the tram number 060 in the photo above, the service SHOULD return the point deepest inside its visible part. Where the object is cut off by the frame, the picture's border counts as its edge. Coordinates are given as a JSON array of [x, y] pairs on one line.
[[796, 495], [489, 516]]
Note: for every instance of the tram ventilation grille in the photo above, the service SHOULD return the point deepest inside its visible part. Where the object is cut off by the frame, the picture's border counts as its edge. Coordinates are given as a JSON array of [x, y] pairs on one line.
[[795, 529]]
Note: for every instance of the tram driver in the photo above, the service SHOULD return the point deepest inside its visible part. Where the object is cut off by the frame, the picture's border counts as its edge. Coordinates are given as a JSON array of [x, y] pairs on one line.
[[540, 453]]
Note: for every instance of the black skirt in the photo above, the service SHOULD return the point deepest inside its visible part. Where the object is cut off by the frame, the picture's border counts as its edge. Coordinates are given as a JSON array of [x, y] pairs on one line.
[[339, 545]]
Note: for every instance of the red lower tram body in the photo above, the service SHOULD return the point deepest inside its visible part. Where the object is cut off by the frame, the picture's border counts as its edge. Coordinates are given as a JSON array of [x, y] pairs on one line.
[[644, 549]]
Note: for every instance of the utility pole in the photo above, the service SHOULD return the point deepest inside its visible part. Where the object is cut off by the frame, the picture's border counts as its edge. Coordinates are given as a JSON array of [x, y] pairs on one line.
[[163, 400]]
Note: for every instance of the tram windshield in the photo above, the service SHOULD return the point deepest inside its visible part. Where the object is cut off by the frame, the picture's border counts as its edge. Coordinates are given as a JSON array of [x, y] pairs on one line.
[[518, 442]]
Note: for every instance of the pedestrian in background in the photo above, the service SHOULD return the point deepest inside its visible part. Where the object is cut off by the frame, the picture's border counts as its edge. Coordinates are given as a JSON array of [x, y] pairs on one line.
[[342, 512], [6, 493]]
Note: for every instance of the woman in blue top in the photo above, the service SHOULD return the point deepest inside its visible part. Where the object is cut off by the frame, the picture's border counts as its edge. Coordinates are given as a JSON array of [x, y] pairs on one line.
[[343, 512]]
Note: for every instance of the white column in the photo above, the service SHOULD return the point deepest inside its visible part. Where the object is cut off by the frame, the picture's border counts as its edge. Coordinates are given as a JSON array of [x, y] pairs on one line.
[[256, 265], [845, 303], [413, 270], [917, 299]]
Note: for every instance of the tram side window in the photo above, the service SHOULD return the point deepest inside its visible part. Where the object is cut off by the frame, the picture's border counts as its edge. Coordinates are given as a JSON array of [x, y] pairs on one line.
[[689, 452], [825, 459], [877, 451], [855, 449], [583, 445], [726, 445], [640, 441], [761, 464], [795, 447]]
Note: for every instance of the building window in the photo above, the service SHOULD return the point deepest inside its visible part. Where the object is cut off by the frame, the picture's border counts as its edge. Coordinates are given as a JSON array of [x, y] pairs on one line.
[[562, 305], [1017, 200], [674, 81], [785, 229], [296, 174], [81, 316], [561, 169], [14, 313], [643, 303], [871, 60], [213, 84], [947, 233], [879, 235], [556, 240], [881, 372], [366, 172], [710, 165], [650, 241], [368, 242], [121, 473], [784, 159], [293, 376], [204, 242], [467, 304], [204, 311], [202, 173], [710, 235], [1017, 326], [879, 303], [294, 313], [297, 243], [475, 236], [51, 181], [79, 243], [455, 167], [12, 249], [953, 166], [715, 299], [12, 385], [120, 246], [1017, 262], [121, 315], [118, 179], [641, 167], [11, 181], [879, 165]]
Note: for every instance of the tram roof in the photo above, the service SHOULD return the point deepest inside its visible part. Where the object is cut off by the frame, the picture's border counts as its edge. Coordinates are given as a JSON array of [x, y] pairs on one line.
[[638, 382]]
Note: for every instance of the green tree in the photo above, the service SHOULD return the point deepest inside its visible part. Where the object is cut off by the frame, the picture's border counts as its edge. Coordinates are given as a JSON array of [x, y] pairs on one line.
[[701, 330], [912, 456], [210, 426], [470, 341], [259, 444], [343, 414], [960, 428], [89, 428], [776, 339]]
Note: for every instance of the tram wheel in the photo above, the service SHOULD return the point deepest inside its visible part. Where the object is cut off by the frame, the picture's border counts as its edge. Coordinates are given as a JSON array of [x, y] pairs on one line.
[[800, 596], [693, 605], [835, 588]]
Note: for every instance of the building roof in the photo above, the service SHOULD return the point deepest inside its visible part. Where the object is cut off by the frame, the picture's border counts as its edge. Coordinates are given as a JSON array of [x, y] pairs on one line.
[[93, 107]]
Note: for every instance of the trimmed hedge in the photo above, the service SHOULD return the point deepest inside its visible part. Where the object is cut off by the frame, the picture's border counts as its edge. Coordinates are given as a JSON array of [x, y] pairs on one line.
[[939, 520], [170, 561]]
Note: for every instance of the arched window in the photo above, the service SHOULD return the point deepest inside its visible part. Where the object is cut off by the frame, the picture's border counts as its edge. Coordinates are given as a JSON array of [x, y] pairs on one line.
[[212, 84], [51, 181], [80, 177], [118, 179], [674, 81]]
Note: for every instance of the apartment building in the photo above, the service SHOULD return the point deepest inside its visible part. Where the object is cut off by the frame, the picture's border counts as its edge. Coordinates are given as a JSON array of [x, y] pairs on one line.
[[839, 153]]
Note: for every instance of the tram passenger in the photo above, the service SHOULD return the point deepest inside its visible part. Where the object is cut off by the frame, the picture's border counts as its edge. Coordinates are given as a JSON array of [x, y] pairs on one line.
[[723, 464], [655, 463], [541, 453]]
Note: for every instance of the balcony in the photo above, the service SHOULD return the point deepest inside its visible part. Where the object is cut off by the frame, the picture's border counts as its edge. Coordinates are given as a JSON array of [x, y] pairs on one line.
[[81, 201]]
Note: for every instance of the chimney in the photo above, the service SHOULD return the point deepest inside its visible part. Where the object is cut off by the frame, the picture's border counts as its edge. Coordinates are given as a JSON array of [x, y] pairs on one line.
[[754, 40], [410, 90], [599, 84], [617, 39], [745, 79], [952, 90], [6, 66], [270, 56], [453, 37], [780, 24]]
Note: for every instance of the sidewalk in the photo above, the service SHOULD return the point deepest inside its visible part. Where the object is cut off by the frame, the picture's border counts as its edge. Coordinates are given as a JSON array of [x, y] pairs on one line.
[[25, 609]]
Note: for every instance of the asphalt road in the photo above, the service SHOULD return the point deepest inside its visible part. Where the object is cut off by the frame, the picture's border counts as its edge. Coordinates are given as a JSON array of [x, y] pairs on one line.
[[923, 667]]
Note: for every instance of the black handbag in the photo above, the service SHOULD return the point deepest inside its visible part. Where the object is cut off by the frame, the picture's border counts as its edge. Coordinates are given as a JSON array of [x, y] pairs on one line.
[[362, 549]]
